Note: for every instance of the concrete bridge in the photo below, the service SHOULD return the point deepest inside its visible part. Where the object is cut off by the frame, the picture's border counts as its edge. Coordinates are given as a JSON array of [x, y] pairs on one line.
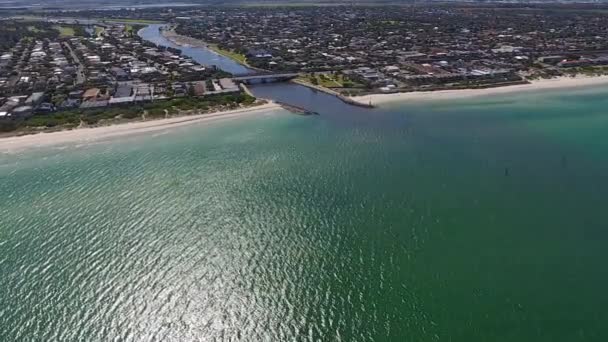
[[264, 78]]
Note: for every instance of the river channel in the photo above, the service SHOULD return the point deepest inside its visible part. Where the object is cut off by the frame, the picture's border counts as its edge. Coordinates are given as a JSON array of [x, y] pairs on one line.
[[290, 93], [203, 56]]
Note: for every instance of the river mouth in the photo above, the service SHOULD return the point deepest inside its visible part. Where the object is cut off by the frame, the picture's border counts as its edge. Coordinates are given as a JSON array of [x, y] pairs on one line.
[[476, 220], [398, 228], [285, 92]]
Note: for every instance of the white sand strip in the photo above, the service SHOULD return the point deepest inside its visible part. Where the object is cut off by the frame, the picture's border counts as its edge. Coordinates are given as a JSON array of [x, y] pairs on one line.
[[554, 83], [14, 144]]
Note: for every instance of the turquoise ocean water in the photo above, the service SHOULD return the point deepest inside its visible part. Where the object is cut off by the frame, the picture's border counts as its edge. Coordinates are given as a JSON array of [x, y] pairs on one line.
[[463, 220]]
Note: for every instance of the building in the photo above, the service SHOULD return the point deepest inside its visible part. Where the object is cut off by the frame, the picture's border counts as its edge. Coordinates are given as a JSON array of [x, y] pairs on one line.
[[228, 84], [91, 94], [34, 99]]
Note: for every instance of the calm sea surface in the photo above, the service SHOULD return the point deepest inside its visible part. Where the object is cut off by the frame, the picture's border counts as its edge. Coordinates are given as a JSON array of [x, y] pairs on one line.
[[469, 220]]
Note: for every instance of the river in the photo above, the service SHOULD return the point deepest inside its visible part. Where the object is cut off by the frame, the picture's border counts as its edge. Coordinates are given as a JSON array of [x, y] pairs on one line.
[[283, 92], [203, 56]]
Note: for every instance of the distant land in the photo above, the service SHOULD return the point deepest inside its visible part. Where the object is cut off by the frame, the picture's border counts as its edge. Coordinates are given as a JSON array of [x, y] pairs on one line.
[[113, 4]]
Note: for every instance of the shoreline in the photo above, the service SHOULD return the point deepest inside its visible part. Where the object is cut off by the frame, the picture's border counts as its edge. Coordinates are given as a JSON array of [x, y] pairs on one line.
[[536, 85], [12, 144]]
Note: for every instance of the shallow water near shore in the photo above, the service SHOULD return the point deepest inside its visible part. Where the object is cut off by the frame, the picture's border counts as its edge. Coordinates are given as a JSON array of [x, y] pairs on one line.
[[472, 220]]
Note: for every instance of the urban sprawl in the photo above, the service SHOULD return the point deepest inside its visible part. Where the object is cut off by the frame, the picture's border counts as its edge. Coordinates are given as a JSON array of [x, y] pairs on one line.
[[408, 48], [54, 66], [67, 75]]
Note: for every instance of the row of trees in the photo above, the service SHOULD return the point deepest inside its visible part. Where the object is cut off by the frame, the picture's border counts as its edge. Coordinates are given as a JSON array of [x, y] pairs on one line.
[[12, 31], [73, 118]]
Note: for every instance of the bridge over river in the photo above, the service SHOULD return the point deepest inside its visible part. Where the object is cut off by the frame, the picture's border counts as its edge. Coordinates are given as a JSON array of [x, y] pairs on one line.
[[265, 78], [242, 74]]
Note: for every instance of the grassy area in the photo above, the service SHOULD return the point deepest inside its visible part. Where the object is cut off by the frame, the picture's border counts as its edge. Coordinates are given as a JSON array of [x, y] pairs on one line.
[[33, 29], [29, 18], [230, 54], [588, 70], [300, 4], [65, 31], [132, 21], [99, 30], [329, 80]]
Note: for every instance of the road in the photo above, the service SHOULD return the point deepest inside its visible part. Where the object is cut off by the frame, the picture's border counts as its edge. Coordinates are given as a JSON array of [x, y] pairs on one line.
[[80, 77]]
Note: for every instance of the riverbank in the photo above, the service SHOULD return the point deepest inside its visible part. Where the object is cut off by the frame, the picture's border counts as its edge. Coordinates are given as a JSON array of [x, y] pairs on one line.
[[536, 85], [182, 40], [13, 144], [185, 41]]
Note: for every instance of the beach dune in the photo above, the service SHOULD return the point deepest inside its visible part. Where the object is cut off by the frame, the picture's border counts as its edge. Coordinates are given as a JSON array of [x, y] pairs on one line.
[[545, 84], [17, 143]]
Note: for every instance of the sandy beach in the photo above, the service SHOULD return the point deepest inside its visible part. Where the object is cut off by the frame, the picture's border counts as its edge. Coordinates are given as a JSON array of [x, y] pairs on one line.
[[545, 84], [84, 135], [182, 40]]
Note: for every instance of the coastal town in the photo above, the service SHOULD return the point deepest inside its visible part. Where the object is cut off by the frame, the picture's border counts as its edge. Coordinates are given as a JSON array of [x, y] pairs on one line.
[[410, 48], [59, 74], [89, 67]]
